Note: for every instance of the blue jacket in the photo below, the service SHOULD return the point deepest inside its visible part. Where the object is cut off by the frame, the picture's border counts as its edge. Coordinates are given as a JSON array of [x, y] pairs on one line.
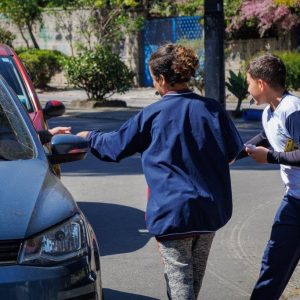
[[186, 142]]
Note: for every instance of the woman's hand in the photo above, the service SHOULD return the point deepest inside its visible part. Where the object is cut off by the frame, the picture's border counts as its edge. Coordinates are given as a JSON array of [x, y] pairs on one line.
[[60, 130], [259, 154]]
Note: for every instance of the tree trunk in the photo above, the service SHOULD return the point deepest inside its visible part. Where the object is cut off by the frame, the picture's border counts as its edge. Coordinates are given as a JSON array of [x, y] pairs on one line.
[[35, 44], [23, 36]]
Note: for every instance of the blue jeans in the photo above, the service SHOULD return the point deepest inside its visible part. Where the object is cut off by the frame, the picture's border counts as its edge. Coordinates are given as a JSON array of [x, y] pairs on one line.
[[282, 252]]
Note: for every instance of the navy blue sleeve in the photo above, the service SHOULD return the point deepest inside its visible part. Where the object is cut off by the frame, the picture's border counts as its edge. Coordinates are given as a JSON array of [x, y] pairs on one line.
[[258, 140], [113, 146], [292, 125], [232, 139], [45, 136], [290, 158]]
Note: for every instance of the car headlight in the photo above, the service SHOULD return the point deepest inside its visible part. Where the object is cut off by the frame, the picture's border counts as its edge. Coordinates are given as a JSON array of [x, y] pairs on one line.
[[62, 242]]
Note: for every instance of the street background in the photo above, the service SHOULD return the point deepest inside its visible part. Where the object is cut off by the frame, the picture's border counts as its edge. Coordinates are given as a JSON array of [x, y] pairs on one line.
[[113, 197]]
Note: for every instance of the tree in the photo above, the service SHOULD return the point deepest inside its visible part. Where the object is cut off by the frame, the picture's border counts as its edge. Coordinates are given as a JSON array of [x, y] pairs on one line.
[[6, 37], [107, 21], [100, 22], [99, 72], [176, 8], [266, 15], [25, 14], [231, 7]]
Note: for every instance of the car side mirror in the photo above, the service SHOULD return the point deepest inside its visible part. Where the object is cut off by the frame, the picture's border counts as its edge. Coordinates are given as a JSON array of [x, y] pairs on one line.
[[67, 148], [53, 108]]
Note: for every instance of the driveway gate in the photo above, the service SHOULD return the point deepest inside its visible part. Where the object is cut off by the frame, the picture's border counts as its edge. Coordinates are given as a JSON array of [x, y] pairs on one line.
[[160, 31]]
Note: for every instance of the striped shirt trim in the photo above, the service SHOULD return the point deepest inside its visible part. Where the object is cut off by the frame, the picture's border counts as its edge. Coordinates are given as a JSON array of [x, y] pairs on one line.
[[177, 94], [183, 233]]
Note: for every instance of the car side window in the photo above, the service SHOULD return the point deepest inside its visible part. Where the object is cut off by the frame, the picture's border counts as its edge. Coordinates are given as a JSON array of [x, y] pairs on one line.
[[12, 143], [13, 78]]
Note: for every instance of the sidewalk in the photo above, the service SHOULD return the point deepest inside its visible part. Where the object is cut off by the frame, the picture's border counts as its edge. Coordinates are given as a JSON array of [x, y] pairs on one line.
[[137, 97]]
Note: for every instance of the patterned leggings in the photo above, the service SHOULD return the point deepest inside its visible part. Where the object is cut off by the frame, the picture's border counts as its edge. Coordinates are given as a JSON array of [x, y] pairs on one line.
[[184, 265]]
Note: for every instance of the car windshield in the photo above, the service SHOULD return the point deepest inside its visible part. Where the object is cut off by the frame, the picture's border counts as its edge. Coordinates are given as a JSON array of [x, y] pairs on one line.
[[15, 141], [13, 78]]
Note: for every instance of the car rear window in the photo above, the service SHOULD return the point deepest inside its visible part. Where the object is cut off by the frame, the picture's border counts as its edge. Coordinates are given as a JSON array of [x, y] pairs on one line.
[[13, 78], [15, 141]]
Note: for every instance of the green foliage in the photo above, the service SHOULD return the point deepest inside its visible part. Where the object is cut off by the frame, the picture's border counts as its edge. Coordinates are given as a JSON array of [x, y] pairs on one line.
[[198, 82], [105, 3], [237, 85], [267, 17], [6, 37], [231, 7], [172, 8], [291, 59], [190, 7], [288, 3], [62, 3], [20, 50], [105, 22], [292, 63], [24, 13], [99, 72], [198, 45], [21, 11], [162, 8], [42, 65]]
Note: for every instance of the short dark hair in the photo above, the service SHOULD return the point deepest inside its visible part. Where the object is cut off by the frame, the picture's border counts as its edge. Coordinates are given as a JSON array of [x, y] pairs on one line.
[[175, 62], [269, 68]]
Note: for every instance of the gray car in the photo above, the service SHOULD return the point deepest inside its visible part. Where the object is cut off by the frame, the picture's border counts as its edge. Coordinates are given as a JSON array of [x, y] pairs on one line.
[[48, 249]]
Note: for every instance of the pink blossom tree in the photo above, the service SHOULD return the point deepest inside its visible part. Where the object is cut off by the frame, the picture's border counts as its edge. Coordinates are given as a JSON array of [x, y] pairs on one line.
[[281, 15]]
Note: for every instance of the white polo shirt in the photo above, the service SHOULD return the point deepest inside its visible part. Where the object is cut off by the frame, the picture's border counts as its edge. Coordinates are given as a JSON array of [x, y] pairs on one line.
[[284, 136]]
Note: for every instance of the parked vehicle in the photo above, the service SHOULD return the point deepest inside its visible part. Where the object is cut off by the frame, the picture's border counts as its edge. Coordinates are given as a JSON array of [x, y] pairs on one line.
[[48, 249], [14, 72]]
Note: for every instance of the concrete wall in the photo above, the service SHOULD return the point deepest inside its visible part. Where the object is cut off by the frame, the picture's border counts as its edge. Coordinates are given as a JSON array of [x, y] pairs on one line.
[[61, 31], [240, 50]]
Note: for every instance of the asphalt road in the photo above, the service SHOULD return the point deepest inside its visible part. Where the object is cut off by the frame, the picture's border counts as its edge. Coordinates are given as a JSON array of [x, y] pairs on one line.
[[113, 197]]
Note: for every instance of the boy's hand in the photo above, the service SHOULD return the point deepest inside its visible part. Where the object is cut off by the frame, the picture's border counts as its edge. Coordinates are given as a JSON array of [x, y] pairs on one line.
[[259, 154]]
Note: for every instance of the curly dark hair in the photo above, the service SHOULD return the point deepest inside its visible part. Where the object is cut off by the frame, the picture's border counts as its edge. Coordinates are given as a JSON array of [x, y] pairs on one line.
[[269, 68], [175, 62]]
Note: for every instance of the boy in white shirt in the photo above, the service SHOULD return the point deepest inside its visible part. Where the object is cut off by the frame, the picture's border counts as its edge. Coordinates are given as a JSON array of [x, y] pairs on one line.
[[266, 77]]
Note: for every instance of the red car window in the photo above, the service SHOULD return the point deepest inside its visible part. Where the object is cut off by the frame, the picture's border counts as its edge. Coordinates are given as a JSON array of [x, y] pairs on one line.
[[12, 77]]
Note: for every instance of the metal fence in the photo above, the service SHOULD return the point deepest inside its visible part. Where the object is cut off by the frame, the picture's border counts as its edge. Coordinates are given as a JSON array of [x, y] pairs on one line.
[[186, 30]]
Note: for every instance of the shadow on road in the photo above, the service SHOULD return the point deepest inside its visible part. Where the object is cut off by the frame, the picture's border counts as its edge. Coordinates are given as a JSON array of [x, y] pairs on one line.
[[112, 120], [116, 227], [94, 120], [91, 166], [117, 295], [249, 164]]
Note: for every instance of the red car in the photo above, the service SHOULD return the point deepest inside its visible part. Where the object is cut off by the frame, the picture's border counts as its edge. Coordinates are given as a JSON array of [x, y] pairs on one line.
[[14, 72]]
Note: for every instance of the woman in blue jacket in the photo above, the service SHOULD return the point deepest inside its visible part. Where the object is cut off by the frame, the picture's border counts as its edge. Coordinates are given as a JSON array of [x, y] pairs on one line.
[[186, 143]]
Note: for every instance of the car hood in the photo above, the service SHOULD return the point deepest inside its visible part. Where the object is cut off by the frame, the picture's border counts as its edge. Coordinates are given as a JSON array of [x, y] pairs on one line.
[[32, 199]]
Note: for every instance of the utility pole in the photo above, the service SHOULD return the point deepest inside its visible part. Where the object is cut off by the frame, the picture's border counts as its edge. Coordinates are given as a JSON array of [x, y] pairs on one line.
[[214, 50]]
